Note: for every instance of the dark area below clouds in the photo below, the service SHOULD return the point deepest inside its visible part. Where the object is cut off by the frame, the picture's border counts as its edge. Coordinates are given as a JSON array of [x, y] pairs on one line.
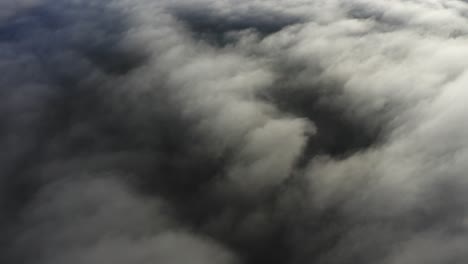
[[206, 24]]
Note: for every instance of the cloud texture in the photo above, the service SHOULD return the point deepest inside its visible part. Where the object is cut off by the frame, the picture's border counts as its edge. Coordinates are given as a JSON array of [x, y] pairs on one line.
[[232, 132]]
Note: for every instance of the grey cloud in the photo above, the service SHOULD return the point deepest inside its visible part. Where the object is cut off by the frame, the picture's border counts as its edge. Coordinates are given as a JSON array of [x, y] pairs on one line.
[[233, 131]]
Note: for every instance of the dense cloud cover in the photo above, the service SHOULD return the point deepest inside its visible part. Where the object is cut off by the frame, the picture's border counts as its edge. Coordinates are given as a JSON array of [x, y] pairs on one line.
[[229, 132]]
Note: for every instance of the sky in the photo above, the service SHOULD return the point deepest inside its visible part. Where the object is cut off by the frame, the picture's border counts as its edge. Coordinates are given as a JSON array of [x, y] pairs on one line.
[[233, 131]]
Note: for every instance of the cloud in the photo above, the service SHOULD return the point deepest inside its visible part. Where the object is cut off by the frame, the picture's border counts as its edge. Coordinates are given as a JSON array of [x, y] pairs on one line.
[[10, 8], [233, 131]]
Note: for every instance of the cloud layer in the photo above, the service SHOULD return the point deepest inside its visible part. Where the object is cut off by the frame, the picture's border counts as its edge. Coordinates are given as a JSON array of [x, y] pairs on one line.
[[233, 131]]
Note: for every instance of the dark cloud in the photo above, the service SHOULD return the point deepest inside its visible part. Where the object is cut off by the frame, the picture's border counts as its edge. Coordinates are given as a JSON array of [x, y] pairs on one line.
[[233, 132]]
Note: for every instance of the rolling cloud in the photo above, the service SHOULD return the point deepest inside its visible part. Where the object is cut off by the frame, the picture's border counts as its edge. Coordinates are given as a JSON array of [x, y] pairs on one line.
[[233, 132]]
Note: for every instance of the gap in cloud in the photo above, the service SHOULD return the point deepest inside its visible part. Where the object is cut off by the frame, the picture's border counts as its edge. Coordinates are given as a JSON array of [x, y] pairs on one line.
[[211, 26], [339, 133]]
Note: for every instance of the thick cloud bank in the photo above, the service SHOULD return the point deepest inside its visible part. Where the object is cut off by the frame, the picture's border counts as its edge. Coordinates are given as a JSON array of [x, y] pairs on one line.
[[230, 132]]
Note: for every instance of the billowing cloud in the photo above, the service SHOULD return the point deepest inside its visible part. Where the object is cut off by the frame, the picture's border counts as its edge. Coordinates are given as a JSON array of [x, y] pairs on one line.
[[233, 131]]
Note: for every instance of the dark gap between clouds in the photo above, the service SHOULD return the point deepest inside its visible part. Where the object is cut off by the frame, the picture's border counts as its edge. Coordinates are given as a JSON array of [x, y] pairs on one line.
[[207, 25]]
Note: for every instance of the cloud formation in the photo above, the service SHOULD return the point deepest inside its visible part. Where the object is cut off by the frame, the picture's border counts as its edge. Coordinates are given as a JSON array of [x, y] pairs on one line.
[[233, 131]]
